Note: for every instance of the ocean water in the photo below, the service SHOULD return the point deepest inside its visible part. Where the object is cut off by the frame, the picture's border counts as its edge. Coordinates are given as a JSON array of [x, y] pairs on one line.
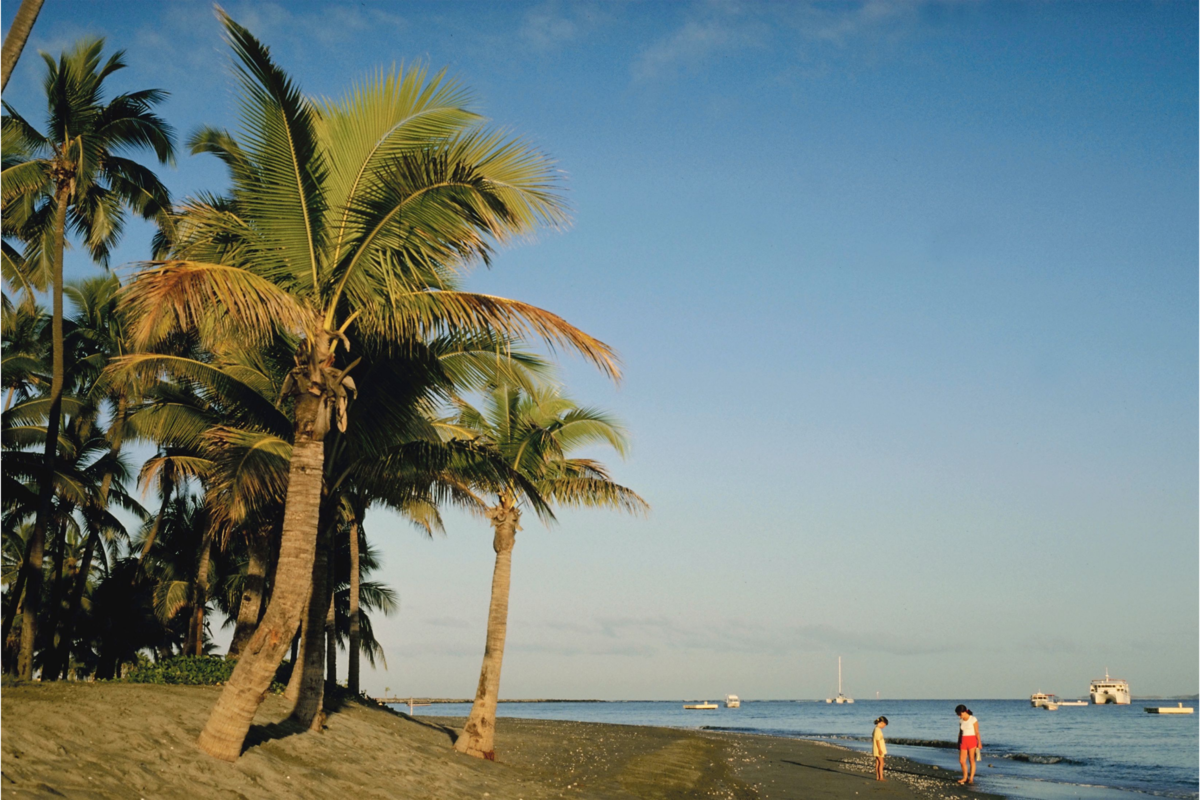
[[1090, 752]]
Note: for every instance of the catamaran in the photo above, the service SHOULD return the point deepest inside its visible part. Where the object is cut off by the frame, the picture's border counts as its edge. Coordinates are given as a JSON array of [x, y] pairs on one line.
[[1110, 691], [841, 698]]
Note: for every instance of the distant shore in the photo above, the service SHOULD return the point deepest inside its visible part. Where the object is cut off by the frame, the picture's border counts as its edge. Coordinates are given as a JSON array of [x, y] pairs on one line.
[[114, 740]]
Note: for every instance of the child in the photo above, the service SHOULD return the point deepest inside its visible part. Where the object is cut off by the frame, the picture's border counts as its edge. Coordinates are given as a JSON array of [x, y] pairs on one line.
[[879, 746], [970, 743]]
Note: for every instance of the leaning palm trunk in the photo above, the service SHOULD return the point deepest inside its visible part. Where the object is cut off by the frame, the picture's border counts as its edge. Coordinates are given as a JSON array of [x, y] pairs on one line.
[[229, 723], [330, 626], [355, 632], [37, 544], [14, 610], [152, 536], [62, 656], [292, 693], [18, 34], [479, 734], [316, 387], [59, 565], [310, 687], [250, 607], [62, 659], [200, 597]]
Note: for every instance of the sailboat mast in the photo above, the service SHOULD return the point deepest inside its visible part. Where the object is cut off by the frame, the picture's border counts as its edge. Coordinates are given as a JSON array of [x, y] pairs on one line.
[[839, 676]]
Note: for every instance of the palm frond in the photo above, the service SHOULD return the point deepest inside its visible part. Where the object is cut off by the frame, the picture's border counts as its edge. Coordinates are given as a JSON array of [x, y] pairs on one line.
[[183, 295], [278, 134], [593, 493], [401, 315]]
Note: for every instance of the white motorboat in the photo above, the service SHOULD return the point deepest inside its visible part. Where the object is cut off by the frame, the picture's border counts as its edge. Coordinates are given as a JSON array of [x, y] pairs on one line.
[[732, 701], [1040, 699], [1110, 691], [1072, 702], [841, 698], [705, 706]]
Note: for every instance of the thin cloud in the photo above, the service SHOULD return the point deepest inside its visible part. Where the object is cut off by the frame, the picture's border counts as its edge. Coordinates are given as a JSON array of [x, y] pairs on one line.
[[712, 30], [696, 42], [554, 24]]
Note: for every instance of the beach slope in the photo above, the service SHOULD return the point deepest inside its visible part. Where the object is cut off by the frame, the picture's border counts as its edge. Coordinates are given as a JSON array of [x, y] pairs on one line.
[[113, 740]]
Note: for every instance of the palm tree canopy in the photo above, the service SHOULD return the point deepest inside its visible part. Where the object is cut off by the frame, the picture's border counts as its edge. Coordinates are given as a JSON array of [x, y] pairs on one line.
[[354, 216], [535, 431], [81, 150]]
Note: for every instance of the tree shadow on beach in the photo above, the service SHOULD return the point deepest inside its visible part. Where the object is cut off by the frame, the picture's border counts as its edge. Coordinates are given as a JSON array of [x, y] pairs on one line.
[[451, 733], [332, 703]]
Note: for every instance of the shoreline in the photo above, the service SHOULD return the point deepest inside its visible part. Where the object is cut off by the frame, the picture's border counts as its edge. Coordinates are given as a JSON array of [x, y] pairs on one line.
[[114, 740]]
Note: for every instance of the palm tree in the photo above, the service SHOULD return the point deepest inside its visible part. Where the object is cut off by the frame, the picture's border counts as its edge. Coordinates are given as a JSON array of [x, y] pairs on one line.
[[345, 220], [72, 175], [533, 432], [98, 338]]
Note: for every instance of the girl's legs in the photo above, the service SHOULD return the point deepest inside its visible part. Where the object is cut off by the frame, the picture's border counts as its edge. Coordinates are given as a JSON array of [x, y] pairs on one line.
[[878, 768], [963, 755], [971, 758]]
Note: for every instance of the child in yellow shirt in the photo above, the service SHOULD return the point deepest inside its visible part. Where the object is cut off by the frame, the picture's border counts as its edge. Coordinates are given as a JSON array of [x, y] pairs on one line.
[[879, 747]]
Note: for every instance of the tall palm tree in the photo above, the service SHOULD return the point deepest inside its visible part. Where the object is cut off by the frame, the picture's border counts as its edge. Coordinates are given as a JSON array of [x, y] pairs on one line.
[[345, 220], [72, 176], [98, 338], [533, 432]]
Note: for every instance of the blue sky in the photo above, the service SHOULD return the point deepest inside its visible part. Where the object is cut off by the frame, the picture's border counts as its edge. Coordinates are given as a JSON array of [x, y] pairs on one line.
[[906, 294]]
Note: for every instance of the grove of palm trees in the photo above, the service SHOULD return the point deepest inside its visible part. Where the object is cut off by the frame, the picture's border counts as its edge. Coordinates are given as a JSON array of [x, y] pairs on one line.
[[197, 445]]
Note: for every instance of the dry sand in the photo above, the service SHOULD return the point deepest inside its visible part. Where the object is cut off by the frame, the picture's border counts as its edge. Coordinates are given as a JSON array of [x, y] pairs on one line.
[[138, 741]]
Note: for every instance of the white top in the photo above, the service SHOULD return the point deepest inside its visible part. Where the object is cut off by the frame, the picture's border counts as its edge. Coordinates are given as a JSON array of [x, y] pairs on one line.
[[967, 726]]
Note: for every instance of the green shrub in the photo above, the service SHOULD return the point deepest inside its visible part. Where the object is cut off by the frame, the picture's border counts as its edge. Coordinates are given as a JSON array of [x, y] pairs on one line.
[[194, 671], [184, 670]]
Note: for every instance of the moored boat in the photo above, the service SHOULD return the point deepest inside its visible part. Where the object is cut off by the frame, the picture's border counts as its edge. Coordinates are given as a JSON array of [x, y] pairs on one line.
[[1169, 710], [705, 706], [732, 701], [1040, 699], [1110, 691]]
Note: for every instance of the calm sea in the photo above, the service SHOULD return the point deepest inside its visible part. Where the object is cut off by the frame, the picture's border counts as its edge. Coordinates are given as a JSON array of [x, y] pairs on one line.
[[1091, 752]]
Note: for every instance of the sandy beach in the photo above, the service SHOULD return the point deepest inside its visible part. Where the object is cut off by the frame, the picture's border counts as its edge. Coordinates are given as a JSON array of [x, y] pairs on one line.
[[112, 740]]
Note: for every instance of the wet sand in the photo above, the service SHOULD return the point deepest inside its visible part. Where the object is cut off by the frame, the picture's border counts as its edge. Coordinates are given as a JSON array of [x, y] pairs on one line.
[[138, 741]]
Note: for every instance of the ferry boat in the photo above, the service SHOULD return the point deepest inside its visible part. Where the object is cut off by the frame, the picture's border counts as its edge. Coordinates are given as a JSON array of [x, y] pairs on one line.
[[1041, 700], [841, 698], [732, 701], [1110, 691]]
